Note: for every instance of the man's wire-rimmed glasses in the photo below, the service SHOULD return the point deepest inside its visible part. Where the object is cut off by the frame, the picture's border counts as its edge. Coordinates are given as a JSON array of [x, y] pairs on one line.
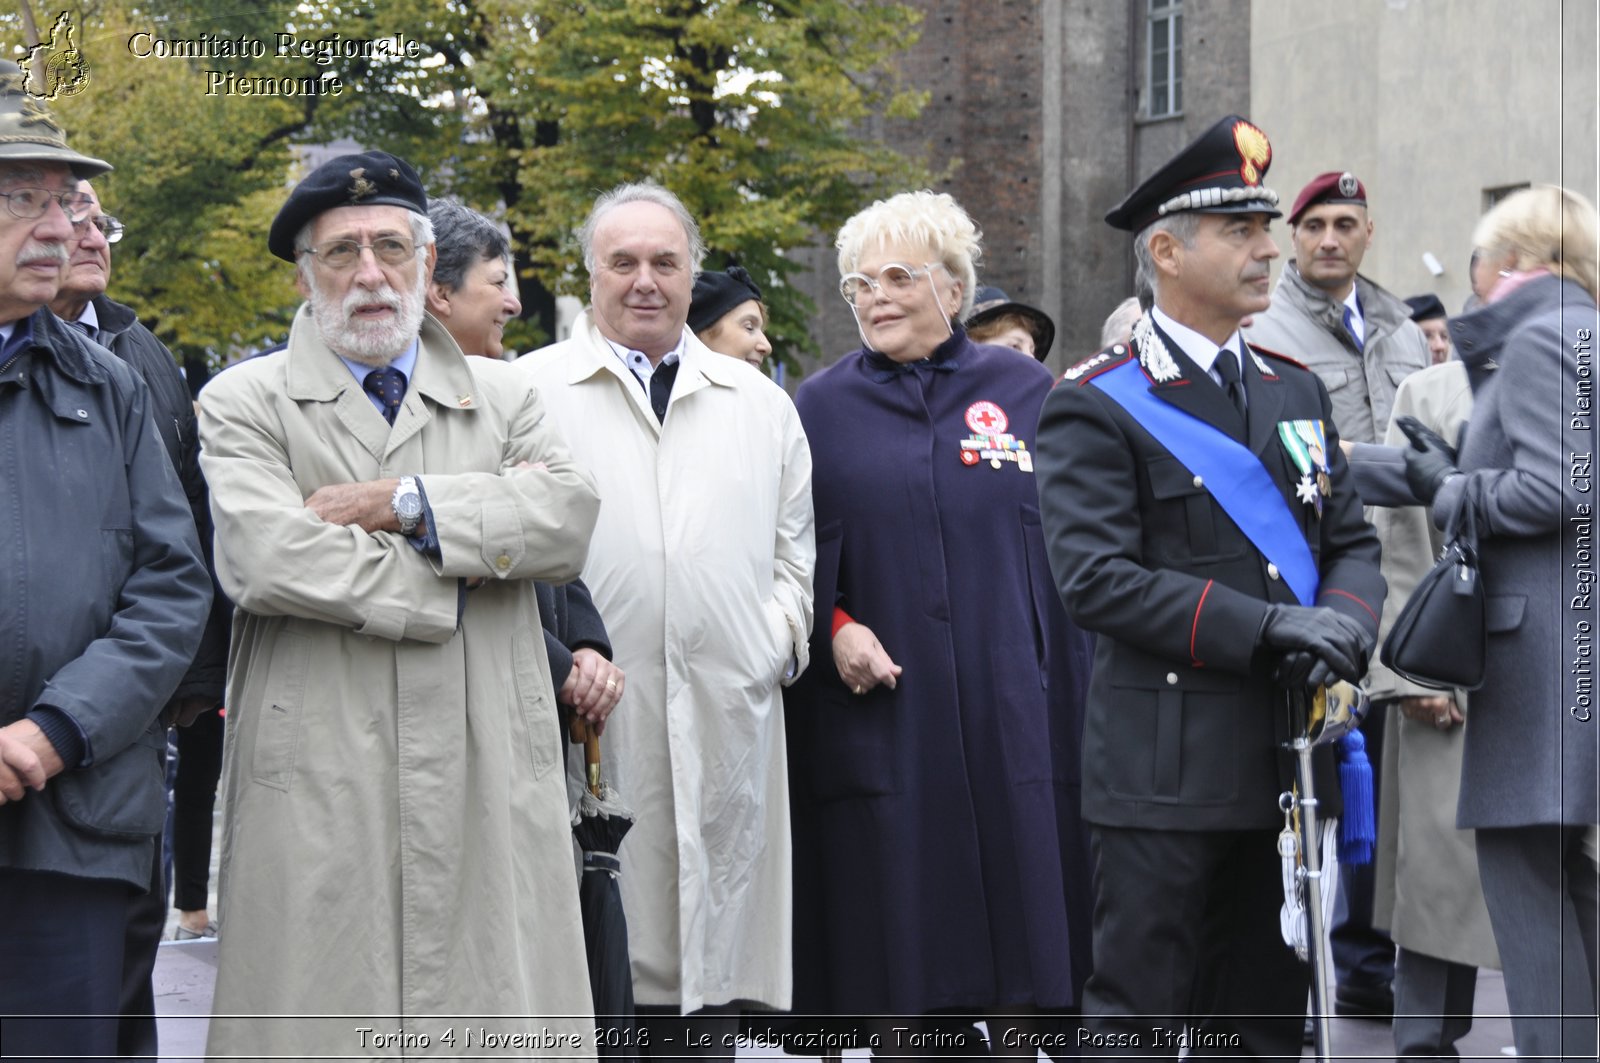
[[109, 227], [342, 254], [31, 203]]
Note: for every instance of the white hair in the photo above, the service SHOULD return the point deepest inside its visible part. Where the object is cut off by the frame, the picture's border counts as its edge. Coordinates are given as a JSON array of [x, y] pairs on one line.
[[927, 218]]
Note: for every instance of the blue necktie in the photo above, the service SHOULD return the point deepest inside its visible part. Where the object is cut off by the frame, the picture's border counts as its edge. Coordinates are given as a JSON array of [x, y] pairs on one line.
[[1350, 327], [389, 384]]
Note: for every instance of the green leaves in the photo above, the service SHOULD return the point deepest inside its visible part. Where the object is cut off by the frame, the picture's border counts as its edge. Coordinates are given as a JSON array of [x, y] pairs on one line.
[[756, 112]]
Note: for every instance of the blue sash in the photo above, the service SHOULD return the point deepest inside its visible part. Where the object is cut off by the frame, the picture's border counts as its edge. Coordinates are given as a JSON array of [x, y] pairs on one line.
[[1233, 475]]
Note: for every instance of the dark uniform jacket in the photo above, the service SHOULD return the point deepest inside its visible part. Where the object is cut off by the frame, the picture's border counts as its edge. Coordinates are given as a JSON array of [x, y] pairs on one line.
[[1184, 724], [173, 412], [103, 596]]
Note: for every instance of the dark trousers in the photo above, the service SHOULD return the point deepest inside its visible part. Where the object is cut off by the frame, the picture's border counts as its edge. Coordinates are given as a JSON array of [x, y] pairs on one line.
[[1542, 893], [1432, 1005], [1187, 947], [194, 799], [705, 1034], [62, 959], [147, 918], [1363, 955]]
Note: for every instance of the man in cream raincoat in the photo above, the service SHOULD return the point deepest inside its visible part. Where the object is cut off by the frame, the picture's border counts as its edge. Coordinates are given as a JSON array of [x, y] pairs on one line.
[[397, 853], [701, 565]]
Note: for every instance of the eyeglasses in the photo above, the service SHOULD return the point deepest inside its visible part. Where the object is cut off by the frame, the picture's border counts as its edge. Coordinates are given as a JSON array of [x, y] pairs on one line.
[[31, 203], [894, 280], [109, 227], [342, 254]]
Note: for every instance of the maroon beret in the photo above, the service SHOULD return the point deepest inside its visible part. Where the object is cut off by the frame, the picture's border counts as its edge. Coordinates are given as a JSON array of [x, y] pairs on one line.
[[1331, 187]]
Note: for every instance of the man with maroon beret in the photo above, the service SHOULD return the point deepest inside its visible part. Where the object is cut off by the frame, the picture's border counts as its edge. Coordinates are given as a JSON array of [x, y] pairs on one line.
[[1361, 341]]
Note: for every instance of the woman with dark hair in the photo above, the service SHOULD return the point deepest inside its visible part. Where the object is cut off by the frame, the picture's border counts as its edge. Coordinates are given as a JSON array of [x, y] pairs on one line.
[[473, 294], [474, 287]]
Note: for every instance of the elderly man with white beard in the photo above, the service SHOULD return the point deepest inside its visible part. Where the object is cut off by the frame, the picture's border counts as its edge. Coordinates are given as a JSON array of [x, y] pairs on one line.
[[396, 842]]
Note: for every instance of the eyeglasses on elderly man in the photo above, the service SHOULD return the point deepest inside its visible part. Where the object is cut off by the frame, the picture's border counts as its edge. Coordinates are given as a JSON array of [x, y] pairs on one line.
[[31, 203], [109, 227], [343, 254]]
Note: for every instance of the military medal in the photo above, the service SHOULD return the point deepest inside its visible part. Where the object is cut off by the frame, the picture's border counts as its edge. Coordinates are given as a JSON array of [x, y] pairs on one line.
[[1307, 444]]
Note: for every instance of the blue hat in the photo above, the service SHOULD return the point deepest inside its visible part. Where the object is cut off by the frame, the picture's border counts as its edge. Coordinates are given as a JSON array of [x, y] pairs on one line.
[[373, 178], [992, 303]]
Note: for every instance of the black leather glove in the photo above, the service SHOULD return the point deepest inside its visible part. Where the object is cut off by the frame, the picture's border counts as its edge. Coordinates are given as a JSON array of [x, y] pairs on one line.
[[1318, 644], [1430, 461]]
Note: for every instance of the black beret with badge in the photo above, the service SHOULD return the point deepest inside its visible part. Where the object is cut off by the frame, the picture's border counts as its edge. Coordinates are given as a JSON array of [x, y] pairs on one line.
[[1332, 187], [1220, 173], [370, 179]]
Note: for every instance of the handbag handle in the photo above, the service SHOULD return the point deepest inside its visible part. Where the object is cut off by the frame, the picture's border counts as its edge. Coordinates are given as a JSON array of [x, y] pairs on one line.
[[1462, 526], [1461, 538]]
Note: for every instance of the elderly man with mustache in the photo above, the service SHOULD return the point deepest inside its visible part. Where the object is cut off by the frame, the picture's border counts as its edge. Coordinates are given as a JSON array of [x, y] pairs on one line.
[[105, 596], [396, 841]]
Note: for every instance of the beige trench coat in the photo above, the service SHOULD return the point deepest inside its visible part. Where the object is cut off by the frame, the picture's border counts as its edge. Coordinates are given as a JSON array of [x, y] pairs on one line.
[[396, 848], [1426, 888], [701, 566]]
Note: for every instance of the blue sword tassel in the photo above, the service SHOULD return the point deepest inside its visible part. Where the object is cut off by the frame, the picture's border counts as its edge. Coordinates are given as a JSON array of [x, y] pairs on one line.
[[1358, 830]]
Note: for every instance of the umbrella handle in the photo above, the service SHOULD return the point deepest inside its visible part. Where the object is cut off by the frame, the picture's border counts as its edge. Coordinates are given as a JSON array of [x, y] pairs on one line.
[[582, 732]]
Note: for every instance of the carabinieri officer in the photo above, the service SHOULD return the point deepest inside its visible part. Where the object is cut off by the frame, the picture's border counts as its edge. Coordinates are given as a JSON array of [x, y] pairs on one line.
[[1199, 516]]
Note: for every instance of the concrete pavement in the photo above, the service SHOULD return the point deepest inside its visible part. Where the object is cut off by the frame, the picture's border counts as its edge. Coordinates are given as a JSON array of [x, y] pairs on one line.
[[186, 970]]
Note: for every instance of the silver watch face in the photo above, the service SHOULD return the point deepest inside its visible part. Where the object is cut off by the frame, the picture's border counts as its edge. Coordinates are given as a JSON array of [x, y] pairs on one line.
[[408, 505]]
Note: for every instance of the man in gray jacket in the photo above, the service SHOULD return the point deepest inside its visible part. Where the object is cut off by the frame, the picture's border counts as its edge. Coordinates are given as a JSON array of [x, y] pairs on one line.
[[1353, 334], [1362, 342], [104, 599], [82, 302]]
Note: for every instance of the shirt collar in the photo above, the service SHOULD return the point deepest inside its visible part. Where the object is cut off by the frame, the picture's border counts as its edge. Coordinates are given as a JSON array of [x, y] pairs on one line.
[[638, 362], [1196, 346], [406, 363], [89, 316]]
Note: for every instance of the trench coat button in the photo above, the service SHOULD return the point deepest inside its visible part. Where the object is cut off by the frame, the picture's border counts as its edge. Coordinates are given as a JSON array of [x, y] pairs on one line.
[[502, 562], [83, 413], [1199, 481], [1272, 571], [1172, 679]]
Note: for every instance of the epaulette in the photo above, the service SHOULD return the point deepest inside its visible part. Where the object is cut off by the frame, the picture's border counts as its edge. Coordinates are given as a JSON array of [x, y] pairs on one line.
[[1258, 349], [1097, 363]]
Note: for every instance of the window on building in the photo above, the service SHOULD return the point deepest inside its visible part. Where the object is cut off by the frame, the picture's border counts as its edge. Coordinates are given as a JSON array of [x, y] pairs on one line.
[[1491, 196], [1164, 59]]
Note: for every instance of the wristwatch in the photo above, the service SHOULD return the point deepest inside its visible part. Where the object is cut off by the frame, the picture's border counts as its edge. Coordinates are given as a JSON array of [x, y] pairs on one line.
[[407, 504]]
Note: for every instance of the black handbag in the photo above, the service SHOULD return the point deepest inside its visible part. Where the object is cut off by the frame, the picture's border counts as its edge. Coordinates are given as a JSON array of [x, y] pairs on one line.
[[1440, 637]]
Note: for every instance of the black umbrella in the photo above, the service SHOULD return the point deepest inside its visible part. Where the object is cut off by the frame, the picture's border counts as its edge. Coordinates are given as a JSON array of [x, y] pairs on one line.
[[599, 826]]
